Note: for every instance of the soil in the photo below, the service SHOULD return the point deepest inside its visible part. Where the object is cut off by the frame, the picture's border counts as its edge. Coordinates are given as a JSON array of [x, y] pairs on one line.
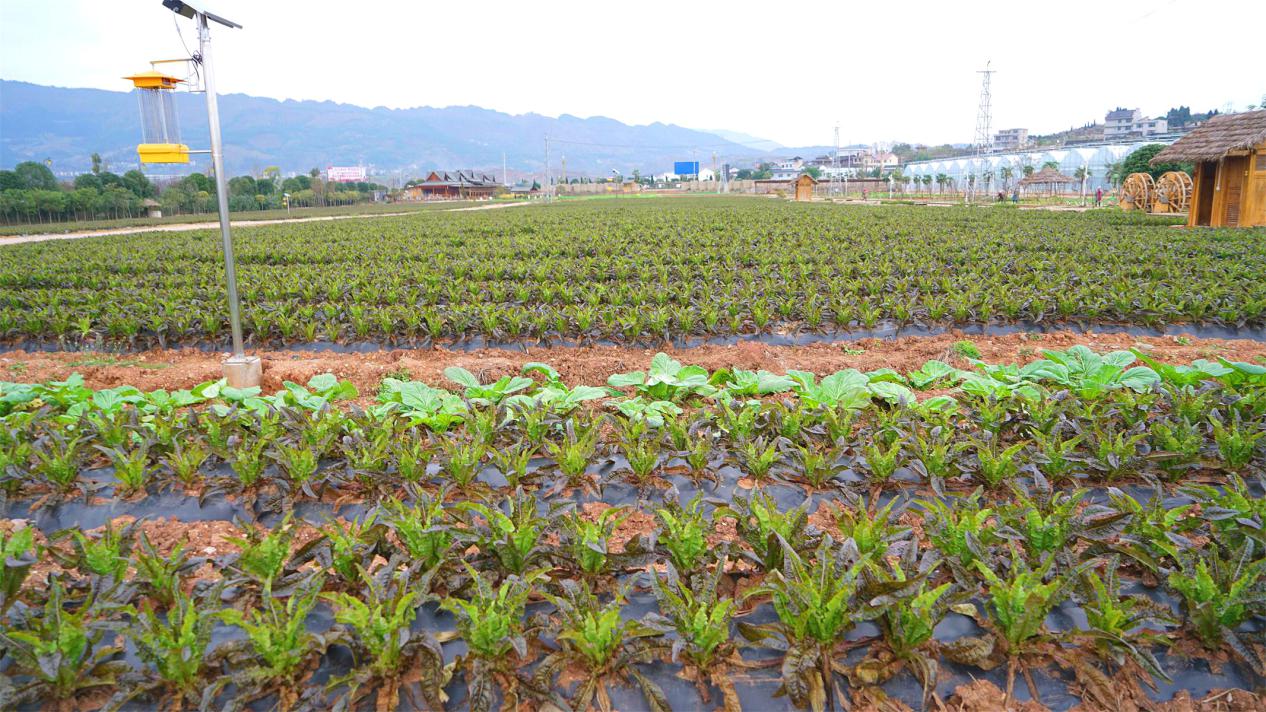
[[184, 368]]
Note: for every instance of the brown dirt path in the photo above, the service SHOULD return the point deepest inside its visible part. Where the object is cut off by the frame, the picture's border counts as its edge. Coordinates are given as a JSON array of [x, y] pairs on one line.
[[590, 365]]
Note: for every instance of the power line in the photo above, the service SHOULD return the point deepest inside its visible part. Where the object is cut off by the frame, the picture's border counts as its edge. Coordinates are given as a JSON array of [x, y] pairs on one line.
[[685, 147]]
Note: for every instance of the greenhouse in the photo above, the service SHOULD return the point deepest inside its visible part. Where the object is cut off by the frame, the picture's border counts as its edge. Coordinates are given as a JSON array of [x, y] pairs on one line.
[[992, 168]]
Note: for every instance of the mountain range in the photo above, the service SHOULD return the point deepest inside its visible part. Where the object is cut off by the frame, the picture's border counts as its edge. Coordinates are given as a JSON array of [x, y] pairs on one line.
[[67, 126]]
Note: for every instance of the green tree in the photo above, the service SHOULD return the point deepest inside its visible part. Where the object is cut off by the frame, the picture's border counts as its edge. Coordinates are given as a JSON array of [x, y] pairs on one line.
[[813, 171], [136, 182], [96, 163], [1139, 162], [35, 176]]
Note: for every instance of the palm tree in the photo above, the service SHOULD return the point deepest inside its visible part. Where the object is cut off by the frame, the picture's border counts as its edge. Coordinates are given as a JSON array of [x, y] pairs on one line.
[[1112, 171], [1082, 174], [941, 180], [1006, 172]]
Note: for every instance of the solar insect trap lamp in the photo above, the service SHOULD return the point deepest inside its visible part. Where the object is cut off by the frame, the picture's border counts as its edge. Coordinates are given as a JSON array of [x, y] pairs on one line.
[[161, 136]]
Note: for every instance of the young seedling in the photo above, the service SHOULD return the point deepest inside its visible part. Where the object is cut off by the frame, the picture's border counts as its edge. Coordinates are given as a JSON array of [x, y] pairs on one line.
[[683, 533], [18, 552], [175, 646], [131, 468], [463, 459], [104, 555], [61, 653], [510, 533], [378, 629], [961, 530], [263, 556], [815, 598], [586, 540], [766, 530], [421, 529], [1116, 622], [875, 533], [491, 622], [1221, 588], [996, 464], [278, 646], [605, 644]]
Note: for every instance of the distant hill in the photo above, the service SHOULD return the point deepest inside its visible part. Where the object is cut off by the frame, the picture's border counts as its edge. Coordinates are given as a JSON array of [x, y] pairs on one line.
[[67, 125]]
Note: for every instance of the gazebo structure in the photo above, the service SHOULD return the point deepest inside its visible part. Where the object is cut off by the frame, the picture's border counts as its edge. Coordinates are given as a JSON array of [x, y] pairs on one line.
[[1048, 177], [1229, 153]]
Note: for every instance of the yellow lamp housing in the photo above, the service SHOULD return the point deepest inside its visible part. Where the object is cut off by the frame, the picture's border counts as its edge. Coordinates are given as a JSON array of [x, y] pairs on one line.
[[159, 130]]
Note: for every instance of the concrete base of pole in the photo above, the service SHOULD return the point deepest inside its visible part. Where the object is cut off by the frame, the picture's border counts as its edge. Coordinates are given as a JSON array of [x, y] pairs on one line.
[[243, 371]]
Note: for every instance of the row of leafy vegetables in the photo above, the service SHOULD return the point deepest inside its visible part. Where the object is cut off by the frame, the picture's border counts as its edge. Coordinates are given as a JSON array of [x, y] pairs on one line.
[[635, 274], [1128, 490]]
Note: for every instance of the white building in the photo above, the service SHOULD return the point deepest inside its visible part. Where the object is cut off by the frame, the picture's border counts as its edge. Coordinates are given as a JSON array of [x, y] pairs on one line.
[[1123, 123], [1011, 139]]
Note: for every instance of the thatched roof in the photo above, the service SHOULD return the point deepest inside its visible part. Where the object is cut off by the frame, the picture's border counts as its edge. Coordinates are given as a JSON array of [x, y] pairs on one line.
[[1046, 176], [1215, 137]]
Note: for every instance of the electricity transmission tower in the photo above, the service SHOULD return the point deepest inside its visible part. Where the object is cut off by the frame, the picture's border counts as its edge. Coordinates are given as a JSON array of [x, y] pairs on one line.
[[835, 163], [984, 138]]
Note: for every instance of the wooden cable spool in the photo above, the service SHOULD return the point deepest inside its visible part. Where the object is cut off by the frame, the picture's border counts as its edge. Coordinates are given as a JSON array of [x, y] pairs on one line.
[[1137, 191], [1173, 193]]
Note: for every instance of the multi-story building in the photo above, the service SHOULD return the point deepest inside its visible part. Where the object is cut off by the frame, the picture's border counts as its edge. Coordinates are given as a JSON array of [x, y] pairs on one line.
[[1123, 123], [1011, 139]]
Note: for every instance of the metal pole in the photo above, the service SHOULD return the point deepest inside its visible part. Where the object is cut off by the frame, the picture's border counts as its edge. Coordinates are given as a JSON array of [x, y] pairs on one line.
[[221, 185]]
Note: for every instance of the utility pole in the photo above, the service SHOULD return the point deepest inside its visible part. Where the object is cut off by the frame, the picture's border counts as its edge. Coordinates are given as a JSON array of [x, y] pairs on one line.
[[984, 117], [505, 176], [715, 177], [549, 188], [564, 158], [241, 370]]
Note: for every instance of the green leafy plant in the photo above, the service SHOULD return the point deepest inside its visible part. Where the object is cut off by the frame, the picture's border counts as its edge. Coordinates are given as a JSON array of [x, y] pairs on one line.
[[1116, 622], [18, 552], [766, 530], [263, 556], [1237, 442], [421, 404], [815, 599], [378, 629], [176, 646], [607, 645], [278, 645], [1220, 589], [996, 464], [666, 380], [421, 528], [683, 533], [961, 529], [511, 532], [486, 394], [63, 652], [104, 554], [1018, 604], [586, 539], [491, 622]]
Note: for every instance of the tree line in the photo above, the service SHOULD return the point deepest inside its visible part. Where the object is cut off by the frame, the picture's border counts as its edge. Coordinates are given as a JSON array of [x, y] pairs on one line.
[[30, 193]]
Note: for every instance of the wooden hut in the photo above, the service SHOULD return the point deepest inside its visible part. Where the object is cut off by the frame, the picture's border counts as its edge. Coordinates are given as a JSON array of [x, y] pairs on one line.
[[804, 186], [1049, 178], [1229, 153]]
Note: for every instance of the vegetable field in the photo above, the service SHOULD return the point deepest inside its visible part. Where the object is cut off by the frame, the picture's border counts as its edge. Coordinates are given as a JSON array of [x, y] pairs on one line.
[[1082, 528], [634, 272]]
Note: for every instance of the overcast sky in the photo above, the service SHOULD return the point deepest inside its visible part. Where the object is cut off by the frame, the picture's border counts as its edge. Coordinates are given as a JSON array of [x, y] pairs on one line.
[[786, 71]]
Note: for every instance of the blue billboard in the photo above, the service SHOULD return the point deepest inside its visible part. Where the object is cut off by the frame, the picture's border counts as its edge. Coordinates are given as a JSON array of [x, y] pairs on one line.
[[686, 168]]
